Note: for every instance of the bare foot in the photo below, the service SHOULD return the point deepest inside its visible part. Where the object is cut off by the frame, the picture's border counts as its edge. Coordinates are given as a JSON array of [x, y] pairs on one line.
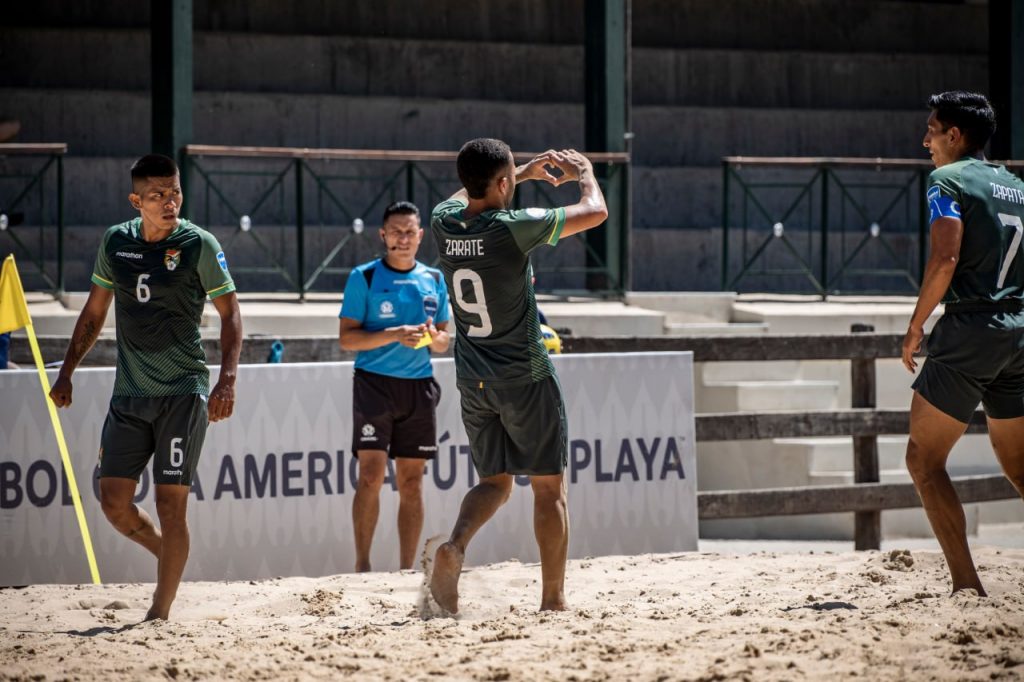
[[363, 567], [977, 589], [154, 614], [555, 605], [444, 583]]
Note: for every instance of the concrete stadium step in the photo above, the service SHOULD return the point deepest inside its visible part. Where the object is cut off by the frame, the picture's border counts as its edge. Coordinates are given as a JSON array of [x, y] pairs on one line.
[[602, 318], [835, 455], [115, 123], [704, 307], [888, 314], [372, 66], [715, 328], [742, 396], [732, 372], [780, 24]]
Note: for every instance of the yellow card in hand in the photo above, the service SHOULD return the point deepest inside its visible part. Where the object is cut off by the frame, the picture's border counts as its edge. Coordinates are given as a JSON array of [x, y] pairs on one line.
[[424, 342]]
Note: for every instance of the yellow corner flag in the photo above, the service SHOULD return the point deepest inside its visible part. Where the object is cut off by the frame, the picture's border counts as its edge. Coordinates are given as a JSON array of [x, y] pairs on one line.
[[14, 315]]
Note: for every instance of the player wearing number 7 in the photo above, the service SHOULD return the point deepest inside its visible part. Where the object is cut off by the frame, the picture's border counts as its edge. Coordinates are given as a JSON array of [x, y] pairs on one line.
[[976, 350], [159, 269], [511, 401]]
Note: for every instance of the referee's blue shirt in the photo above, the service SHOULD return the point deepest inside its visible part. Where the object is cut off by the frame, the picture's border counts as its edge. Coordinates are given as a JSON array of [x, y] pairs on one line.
[[378, 296]]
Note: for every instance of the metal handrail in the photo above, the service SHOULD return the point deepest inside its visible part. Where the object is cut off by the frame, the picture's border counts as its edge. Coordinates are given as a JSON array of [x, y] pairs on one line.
[[310, 183], [54, 153], [827, 197]]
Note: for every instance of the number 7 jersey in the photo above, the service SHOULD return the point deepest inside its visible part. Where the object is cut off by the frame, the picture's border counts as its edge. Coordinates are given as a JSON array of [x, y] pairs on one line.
[[160, 289], [486, 265], [989, 200]]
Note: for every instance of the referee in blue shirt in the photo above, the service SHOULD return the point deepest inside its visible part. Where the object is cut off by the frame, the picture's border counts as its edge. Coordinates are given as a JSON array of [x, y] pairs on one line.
[[390, 304]]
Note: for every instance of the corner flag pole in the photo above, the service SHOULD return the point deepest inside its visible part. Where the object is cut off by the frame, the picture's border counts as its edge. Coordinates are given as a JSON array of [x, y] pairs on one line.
[[14, 315]]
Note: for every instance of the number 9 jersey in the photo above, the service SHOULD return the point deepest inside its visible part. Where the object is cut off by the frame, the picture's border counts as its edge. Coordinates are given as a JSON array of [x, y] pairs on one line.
[[989, 200], [160, 289], [486, 265]]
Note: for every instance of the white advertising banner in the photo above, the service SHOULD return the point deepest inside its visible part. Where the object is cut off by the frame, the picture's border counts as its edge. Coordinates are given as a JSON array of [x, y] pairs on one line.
[[273, 491]]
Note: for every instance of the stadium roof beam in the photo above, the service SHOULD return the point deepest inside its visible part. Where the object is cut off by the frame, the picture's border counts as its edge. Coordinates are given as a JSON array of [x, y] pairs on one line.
[[606, 96], [171, 67], [1006, 76]]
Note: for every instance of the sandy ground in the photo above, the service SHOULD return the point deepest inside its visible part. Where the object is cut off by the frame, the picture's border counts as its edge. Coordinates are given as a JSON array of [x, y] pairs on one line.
[[695, 616]]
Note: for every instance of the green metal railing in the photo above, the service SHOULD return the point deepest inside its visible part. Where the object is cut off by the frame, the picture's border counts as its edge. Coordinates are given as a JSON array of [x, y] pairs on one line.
[[819, 219], [28, 203], [253, 195]]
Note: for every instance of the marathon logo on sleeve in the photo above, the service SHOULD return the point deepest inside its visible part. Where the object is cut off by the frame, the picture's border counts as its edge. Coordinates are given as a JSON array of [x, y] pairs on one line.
[[941, 206], [222, 260]]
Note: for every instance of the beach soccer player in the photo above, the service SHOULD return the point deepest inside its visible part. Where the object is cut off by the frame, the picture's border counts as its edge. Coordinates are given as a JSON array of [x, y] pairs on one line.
[[511, 401], [976, 349], [159, 269]]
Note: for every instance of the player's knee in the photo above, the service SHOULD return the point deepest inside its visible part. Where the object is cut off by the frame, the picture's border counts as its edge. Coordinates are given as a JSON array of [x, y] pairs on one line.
[[503, 485], [410, 486], [921, 464], [171, 509], [371, 478], [116, 511]]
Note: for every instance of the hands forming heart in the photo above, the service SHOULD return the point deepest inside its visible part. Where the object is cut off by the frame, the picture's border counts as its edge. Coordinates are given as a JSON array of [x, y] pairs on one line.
[[569, 163]]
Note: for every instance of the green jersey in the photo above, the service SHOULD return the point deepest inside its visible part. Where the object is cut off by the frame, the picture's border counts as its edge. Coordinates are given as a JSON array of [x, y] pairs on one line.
[[486, 265], [159, 292], [990, 202]]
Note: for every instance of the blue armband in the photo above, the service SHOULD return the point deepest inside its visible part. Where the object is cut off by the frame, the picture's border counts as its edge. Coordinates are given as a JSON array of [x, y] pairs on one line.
[[941, 206]]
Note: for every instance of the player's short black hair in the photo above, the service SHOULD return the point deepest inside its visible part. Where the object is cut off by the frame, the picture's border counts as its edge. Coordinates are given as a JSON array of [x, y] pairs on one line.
[[153, 166], [400, 208], [479, 161], [968, 111]]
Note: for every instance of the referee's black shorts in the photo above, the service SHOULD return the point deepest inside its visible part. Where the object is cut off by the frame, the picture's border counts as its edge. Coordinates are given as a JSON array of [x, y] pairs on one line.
[[396, 415]]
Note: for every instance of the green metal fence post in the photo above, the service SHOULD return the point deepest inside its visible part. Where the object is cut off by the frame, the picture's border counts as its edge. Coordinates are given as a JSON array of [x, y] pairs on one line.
[[824, 232], [60, 225], [171, 76], [725, 224], [410, 183], [1006, 76], [606, 117], [300, 219]]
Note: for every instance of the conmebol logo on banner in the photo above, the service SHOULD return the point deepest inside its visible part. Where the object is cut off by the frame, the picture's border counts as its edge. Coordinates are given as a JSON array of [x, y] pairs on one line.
[[271, 494]]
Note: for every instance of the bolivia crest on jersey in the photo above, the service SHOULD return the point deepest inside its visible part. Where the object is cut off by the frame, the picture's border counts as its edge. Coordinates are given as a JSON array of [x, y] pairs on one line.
[[172, 258]]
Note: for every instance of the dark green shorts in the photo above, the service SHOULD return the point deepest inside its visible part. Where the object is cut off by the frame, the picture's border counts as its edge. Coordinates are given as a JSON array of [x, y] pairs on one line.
[[519, 430], [975, 357], [169, 429]]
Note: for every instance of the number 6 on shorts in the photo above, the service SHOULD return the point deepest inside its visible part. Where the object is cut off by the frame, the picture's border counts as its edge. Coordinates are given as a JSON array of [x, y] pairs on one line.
[[177, 454]]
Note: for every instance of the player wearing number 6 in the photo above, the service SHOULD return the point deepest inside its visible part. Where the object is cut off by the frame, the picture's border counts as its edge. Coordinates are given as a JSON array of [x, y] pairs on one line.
[[159, 269], [976, 350], [511, 401]]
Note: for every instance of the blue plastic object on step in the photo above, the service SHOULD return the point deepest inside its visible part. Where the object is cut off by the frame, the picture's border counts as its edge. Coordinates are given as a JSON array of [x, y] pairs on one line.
[[276, 352]]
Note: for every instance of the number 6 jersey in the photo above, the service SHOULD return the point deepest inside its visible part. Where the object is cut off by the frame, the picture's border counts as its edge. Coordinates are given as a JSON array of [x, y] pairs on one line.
[[989, 200], [486, 264], [160, 289]]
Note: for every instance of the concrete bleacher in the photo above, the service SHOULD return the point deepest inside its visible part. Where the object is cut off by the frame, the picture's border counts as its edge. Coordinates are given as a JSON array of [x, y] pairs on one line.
[[805, 78]]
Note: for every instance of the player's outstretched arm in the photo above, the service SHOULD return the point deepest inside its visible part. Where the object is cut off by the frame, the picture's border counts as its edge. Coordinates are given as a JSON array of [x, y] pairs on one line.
[[222, 397], [946, 235], [87, 330], [590, 211]]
